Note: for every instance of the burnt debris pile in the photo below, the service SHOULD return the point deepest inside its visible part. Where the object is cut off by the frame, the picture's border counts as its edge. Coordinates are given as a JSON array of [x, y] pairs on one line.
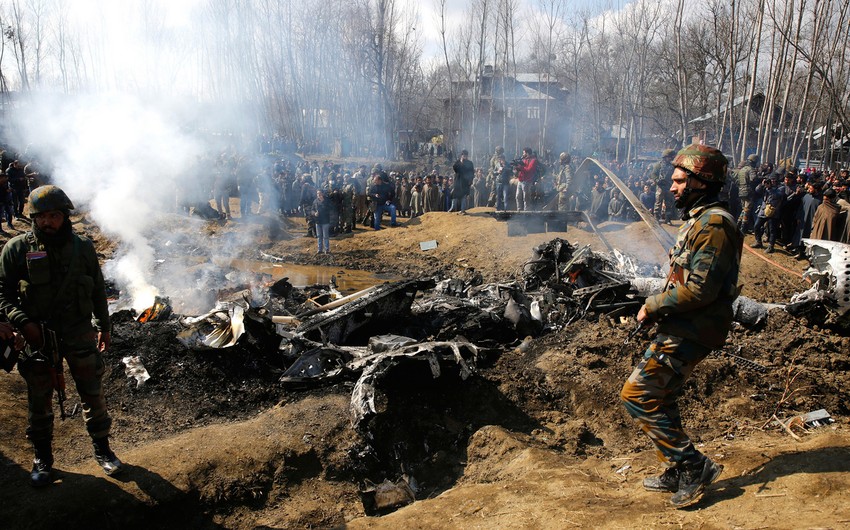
[[406, 352], [828, 299], [409, 355], [567, 283]]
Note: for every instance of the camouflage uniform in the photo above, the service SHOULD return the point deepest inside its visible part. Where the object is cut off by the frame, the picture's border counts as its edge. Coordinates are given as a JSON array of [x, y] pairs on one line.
[[349, 195], [694, 314], [747, 180], [29, 285], [660, 173], [360, 178], [563, 180]]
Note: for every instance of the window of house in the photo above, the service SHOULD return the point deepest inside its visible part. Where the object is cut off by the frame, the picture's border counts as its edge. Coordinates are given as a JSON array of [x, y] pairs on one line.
[[533, 113], [509, 112]]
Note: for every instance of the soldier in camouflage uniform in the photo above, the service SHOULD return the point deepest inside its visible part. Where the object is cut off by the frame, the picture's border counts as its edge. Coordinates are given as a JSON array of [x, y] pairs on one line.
[[52, 290], [347, 220], [563, 180], [360, 178], [495, 164], [694, 314], [747, 181], [493, 174], [660, 173]]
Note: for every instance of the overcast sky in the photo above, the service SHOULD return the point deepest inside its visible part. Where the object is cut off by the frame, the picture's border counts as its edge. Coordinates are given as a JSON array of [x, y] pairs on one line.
[[121, 21], [455, 13]]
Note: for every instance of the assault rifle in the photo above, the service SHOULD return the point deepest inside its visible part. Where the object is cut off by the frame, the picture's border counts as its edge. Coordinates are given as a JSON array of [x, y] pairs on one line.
[[50, 350]]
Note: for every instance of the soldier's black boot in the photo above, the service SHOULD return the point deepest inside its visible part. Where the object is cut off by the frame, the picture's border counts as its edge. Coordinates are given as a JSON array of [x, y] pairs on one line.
[[758, 244], [667, 482], [105, 457], [693, 480], [42, 464]]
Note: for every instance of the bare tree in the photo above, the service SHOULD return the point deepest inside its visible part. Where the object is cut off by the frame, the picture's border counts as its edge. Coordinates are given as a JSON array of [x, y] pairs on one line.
[[17, 33]]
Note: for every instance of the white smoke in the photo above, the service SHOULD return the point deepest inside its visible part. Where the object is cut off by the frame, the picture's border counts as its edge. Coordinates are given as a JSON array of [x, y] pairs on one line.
[[119, 158]]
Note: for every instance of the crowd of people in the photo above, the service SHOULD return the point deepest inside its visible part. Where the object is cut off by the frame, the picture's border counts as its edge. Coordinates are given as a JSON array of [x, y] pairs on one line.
[[786, 204], [776, 201], [19, 175]]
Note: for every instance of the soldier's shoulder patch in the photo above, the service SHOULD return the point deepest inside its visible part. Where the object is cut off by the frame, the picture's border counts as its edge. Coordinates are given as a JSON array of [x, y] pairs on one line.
[[716, 217]]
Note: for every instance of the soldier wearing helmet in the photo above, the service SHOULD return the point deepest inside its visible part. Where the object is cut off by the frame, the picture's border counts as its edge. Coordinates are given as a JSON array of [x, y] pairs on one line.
[[563, 181], [694, 314], [52, 290], [747, 182], [494, 171], [660, 173]]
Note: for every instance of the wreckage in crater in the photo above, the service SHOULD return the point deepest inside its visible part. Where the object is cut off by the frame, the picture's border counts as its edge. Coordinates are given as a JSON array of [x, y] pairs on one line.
[[829, 276], [430, 329], [452, 322]]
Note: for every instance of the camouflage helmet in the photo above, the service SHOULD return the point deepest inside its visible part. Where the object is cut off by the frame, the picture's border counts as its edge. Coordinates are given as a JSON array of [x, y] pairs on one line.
[[754, 158], [706, 163], [499, 149], [668, 153], [47, 198]]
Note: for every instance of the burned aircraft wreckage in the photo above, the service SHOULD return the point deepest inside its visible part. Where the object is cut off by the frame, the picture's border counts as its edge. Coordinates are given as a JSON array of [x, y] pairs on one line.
[[445, 328]]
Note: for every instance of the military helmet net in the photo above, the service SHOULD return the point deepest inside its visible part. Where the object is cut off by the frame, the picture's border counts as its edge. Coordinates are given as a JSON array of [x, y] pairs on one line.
[[668, 153], [705, 162], [47, 198]]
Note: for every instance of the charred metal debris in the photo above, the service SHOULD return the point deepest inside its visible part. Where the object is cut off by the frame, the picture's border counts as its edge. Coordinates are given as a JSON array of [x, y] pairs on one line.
[[378, 340], [450, 325], [440, 326], [828, 298]]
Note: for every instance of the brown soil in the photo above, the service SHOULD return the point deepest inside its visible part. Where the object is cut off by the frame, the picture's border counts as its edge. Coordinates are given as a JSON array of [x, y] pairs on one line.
[[537, 439]]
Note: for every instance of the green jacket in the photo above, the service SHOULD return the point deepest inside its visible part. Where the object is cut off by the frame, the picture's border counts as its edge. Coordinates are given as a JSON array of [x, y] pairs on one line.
[[697, 303], [564, 178], [32, 276], [661, 173], [746, 180]]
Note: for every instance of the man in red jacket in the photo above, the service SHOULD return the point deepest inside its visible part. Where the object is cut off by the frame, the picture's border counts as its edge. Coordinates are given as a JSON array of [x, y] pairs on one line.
[[525, 172]]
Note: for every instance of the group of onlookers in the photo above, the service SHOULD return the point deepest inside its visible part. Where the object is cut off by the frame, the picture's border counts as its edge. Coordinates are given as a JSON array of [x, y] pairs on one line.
[[786, 205], [778, 204], [19, 175]]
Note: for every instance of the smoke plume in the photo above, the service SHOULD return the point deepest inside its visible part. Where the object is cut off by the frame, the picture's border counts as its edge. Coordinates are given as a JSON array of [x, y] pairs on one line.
[[120, 159]]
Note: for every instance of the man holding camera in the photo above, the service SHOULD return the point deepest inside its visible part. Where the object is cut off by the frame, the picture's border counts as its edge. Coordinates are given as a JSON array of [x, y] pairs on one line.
[[464, 174], [768, 212], [526, 170]]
